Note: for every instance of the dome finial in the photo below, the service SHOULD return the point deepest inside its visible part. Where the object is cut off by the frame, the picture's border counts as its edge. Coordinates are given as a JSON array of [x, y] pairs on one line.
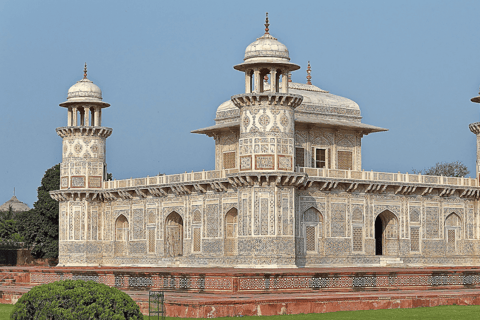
[[266, 24], [85, 71], [309, 77]]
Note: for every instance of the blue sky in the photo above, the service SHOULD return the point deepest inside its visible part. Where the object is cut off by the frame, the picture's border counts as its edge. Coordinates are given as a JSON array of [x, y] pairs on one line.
[[165, 66]]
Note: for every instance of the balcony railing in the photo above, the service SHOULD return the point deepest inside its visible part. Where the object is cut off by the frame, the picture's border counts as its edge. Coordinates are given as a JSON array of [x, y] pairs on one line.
[[311, 172], [167, 179], [388, 177]]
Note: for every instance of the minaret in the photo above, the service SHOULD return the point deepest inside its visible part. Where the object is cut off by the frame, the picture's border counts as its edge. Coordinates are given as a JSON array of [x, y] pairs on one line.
[[475, 128], [266, 109], [83, 159]]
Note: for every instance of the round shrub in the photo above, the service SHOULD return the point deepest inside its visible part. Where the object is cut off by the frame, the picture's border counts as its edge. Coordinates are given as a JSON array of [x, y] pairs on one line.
[[75, 300]]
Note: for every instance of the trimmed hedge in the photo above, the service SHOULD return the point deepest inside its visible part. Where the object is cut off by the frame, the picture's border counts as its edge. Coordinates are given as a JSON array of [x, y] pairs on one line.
[[75, 300]]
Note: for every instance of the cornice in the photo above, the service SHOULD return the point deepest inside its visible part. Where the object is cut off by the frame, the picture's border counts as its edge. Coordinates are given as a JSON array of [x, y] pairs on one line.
[[103, 132]]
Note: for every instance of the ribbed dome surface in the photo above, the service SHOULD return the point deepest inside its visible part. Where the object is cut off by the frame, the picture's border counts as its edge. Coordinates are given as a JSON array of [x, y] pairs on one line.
[[315, 100], [84, 90], [266, 46]]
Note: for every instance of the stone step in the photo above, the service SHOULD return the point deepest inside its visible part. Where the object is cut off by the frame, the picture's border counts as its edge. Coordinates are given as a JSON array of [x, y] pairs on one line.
[[198, 305], [390, 261]]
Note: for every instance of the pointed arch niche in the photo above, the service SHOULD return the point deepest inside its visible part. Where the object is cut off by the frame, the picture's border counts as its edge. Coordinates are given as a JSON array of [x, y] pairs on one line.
[[453, 233], [173, 235], [196, 231], [121, 236], [231, 232], [312, 227], [386, 234]]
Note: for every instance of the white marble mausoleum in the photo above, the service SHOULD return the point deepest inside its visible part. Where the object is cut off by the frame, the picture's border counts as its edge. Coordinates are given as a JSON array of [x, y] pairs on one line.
[[288, 189]]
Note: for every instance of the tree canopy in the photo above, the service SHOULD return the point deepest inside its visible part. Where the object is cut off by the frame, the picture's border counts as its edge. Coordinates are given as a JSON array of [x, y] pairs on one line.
[[446, 169], [39, 226], [9, 228]]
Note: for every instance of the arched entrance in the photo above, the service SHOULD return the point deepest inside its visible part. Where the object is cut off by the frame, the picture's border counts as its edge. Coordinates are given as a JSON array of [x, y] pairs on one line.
[[386, 234], [173, 235], [312, 230], [231, 232], [121, 236], [452, 233]]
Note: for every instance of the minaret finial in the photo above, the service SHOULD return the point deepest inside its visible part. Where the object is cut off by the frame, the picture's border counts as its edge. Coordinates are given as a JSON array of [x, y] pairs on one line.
[[14, 191], [266, 24], [85, 71], [309, 77]]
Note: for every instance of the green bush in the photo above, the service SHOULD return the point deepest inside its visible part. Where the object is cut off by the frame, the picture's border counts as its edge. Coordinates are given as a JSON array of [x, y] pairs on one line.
[[76, 300]]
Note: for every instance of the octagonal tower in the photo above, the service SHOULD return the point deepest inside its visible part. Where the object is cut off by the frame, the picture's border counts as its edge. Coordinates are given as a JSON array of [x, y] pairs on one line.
[[83, 159], [267, 125]]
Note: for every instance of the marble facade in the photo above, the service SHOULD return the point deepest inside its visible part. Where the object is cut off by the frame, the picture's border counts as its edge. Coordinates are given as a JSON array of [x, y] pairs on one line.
[[288, 189]]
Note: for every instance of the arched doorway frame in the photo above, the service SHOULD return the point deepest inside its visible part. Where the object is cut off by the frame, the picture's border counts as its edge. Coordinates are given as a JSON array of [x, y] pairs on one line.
[[231, 232], [121, 236], [312, 229], [453, 233], [173, 235], [388, 237]]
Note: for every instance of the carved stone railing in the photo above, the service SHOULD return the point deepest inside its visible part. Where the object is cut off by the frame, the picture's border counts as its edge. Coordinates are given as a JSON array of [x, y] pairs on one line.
[[389, 177], [168, 179]]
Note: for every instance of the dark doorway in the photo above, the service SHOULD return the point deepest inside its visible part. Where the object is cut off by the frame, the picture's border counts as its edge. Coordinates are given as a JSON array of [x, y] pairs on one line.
[[378, 236]]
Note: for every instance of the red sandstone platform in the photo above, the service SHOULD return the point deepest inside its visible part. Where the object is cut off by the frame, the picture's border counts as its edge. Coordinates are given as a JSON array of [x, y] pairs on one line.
[[217, 292]]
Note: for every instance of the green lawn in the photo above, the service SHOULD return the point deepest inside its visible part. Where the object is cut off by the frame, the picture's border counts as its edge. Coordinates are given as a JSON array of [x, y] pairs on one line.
[[442, 312], [5, 310]]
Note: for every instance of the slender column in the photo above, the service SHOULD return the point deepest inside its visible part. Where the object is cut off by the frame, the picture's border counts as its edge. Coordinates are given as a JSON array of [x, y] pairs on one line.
[[86, 113], [248, 81], [333, 149], [82, 117], [74, 110], [69, 120], [478, 156], [273, 80], [284, 81], [99, 117], [256, 72], [475, 128], [96, 124]]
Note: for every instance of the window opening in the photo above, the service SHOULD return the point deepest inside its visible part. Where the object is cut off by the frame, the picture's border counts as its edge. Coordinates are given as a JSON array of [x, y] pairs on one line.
[[345, 160], [229, 160], [299, 157], [320, 158]]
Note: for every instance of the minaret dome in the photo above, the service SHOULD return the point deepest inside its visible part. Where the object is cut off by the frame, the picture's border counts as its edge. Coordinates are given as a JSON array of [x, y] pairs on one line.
[[84, 103], [266, 57]]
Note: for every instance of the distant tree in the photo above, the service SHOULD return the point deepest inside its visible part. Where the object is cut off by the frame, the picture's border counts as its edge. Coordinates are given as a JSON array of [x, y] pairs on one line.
[[9, 226], [7, 215], [109, 177], [9, 231], [39, 226], [446, 169]]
